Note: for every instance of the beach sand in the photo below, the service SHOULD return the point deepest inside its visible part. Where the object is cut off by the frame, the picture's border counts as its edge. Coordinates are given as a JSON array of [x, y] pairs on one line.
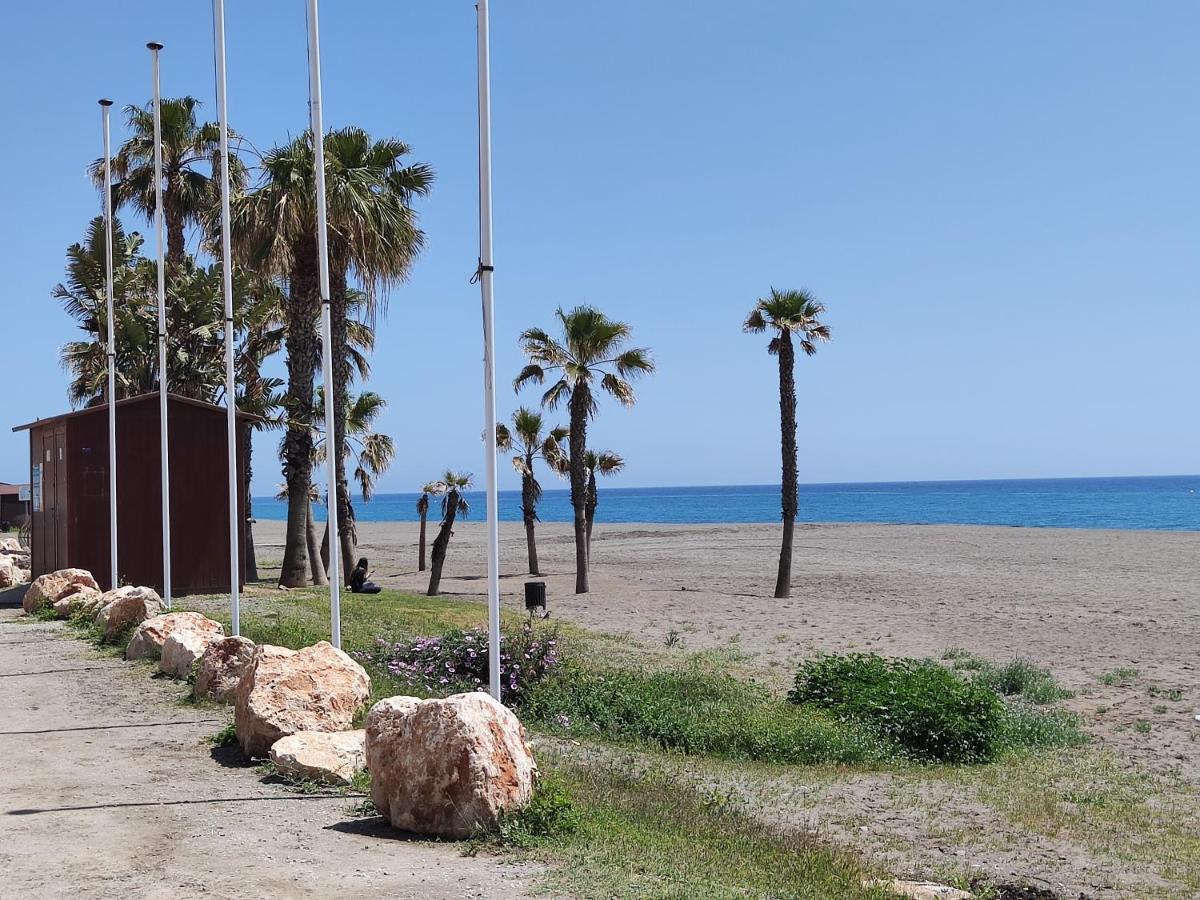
[[1080, 602]]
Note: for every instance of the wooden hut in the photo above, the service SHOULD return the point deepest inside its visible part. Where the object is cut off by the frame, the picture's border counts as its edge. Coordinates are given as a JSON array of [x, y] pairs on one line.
[[68, 457]]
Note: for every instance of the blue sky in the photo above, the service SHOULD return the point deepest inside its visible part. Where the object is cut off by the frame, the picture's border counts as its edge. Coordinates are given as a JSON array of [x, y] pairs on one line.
[[997, 203]]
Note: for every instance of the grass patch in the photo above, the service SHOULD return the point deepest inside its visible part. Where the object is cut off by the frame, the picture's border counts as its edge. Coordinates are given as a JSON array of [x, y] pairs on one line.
[[695, 711], [226, 737], [648, 837], [1121, 676]]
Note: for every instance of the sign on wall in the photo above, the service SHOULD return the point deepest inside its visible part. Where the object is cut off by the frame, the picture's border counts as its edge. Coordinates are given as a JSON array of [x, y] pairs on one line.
[[36, 487]]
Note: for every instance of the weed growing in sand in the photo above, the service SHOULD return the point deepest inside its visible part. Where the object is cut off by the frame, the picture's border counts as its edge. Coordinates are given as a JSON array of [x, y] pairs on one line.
[[1122, 676], [1017, 678], [1142, 726], [550, 816], [226, 737]]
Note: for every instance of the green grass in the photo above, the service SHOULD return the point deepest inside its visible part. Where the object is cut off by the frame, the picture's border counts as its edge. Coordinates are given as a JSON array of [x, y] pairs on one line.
[[1017, 678], [1122, 676], [646, 836], [693, 710]]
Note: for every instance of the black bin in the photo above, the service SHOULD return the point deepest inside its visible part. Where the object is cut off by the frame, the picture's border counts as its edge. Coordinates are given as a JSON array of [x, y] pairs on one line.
[[535, 594]]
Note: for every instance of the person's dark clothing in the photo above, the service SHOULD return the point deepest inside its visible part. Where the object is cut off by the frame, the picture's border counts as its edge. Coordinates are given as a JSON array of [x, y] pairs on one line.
[[359, 583]]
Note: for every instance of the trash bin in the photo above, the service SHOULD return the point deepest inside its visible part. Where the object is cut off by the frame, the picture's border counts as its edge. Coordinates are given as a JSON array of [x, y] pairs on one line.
[[535, 595]]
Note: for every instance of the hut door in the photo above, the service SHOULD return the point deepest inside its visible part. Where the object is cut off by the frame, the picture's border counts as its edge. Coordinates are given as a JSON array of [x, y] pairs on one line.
[[60, 495]]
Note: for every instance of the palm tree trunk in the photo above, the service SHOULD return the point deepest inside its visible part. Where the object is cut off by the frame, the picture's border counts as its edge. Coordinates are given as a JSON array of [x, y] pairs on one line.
[[173, 220], [302, 355], [325, 546], [421, 544], [246, 437], [441, 542], [529, 514], [790, 485], [341, 403], [314, 553], [578, 440], [590, 509]]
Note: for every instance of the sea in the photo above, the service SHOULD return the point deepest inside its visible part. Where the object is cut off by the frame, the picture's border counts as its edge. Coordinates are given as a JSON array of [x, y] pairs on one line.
[[1157, 503]]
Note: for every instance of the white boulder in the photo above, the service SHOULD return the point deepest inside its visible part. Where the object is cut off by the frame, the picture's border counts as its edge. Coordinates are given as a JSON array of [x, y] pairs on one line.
[[125, 607], [53, 586], [183, 650], [221, 668], [318, 688], [148, 638], [325, 757], [447, 767]]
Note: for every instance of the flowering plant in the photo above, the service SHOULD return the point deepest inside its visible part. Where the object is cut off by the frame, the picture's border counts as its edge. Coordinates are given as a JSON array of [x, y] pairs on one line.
[[458, 661]]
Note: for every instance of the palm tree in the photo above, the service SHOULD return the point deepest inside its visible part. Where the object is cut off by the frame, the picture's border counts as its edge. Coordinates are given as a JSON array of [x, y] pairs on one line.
[[788, 313], [372, 237], [603, 462], [431, 488], [191, 152], [451, 487], [589, 353], [372, 451], [527, 444], [316, 567]]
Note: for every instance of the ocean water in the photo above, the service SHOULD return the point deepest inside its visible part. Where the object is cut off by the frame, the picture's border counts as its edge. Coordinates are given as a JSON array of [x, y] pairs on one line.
[[1165, 503]]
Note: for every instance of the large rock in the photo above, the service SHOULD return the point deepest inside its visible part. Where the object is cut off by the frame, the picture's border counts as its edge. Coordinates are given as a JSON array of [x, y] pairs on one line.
[[326, 757], [9, 545], [81, 599], [148, 638], [125, 607], [183, 650], [283, 691], [222, 667], [919, 890], [10, 572], [53, 586], [447, 767]]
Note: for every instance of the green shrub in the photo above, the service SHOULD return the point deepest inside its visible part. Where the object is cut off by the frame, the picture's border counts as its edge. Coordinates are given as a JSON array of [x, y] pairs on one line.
[[1022, 678], [693, 711], [1027, 726], [926, 710], [549, 814]]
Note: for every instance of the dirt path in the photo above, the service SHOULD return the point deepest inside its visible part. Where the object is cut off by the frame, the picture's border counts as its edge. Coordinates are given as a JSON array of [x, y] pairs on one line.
[[110, 789]]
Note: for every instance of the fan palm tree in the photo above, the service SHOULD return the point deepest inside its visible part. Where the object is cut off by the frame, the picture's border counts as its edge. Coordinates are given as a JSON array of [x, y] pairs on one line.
[[372, 452], [373, 237], [527, 444], [452, 487], [191, 152], [590, 355], [431, 488], [790, 316], [602, 462]]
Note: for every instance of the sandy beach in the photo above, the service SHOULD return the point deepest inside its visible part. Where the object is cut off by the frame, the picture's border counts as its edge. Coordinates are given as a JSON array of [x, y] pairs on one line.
[[1083, 603]]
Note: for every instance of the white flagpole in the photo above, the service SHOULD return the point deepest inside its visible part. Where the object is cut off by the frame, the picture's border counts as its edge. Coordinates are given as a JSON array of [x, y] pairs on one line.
[[489, 342], [318, 135], [112, 350], [154, 48], [227, 273]]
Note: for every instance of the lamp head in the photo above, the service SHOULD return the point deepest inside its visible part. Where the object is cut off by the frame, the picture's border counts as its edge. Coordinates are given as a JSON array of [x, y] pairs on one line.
[[154, 45]]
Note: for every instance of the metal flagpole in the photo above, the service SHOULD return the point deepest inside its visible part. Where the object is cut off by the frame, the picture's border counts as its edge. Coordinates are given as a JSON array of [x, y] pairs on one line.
[[227, 273], [112, 350], [489, 341], [154, 48], [318, 133]]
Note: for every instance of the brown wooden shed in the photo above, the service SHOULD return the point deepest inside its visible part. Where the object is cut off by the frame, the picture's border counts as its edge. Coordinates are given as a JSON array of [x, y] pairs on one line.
[[68, 457]]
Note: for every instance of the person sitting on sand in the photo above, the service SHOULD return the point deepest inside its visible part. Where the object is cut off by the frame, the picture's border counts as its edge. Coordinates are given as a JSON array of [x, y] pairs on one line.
[[358, 580]]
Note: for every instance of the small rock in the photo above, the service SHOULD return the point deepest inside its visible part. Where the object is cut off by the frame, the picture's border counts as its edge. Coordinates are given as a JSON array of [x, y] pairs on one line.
[[148, 638], [9, 545], [183, 649], [318, 688], [53, 586], [10, 572], [326, 757], [447, 767], [222, 667], [126, 607]]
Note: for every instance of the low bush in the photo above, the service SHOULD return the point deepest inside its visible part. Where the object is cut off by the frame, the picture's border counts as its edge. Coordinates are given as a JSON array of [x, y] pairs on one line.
[[693, 711], [924, 709], [1016, 678], [458, 661], [551, 813]]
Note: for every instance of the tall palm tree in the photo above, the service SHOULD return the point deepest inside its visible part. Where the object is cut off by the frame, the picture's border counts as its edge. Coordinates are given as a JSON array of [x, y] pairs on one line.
[[588, 355], [313, 556], [788, 314], [431, 488], [373, 238], [452, 487], [191, 151], [527, 444], [602, 462]]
